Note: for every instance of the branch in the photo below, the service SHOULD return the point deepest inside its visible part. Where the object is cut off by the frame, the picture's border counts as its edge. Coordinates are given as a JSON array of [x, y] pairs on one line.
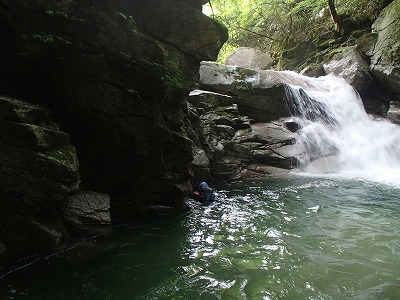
[[335, 17], [259, 34]]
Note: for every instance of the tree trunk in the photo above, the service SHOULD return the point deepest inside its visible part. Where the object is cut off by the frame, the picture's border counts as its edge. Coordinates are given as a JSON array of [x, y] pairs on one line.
[[335, 17]]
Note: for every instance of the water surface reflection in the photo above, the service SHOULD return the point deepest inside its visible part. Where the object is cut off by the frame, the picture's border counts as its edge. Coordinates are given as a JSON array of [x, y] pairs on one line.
[[280, 238]]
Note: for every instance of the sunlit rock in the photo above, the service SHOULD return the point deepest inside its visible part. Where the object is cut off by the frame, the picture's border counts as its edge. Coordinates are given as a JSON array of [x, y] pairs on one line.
[[261, 92], [385, 61], [201, 164], [393, 113], [351, 66], [250, 58]]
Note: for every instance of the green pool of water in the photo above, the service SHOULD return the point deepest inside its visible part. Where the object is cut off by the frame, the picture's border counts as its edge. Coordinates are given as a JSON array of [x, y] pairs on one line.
[[280, 238]]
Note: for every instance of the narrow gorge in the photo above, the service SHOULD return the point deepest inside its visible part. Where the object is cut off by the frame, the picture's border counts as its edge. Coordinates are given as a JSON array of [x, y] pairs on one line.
[[110, 110]]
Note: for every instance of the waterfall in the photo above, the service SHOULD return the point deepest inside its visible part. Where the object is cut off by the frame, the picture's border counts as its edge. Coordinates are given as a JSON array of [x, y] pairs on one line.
[[337, 135]]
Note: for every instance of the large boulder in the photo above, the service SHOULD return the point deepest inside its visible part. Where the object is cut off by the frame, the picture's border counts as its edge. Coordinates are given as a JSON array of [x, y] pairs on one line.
[[87, 208], [249, 58], [385, 61], [217, 119], [263, 148], [353, 66], [261, 92], [39, 171]]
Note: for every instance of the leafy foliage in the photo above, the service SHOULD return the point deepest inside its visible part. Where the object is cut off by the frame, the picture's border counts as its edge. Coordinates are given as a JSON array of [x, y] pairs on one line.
[[268, 25]]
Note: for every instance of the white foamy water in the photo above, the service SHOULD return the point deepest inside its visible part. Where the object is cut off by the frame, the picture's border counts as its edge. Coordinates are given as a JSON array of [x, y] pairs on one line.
[[338, 136]]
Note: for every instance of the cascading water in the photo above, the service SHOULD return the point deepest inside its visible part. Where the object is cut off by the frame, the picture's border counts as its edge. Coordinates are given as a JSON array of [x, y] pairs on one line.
[[337, 134]]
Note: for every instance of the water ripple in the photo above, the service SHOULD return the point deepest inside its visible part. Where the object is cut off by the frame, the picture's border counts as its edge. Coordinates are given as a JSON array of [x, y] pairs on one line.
[[279, 238]]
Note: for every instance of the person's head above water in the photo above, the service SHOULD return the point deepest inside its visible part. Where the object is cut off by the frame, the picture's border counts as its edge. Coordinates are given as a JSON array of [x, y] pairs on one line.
[[203, 185]]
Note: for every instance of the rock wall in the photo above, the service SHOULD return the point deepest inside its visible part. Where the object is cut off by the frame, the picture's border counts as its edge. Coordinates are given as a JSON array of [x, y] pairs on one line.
[[114, 75], [39, 167], [244, 125]]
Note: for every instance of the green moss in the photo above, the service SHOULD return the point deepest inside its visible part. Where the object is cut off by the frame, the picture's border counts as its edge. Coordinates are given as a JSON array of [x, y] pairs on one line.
[[131, 21], [173, 76], [50, 39], [61, 14], [325, 43], [57, 13], [65, 156], [45, 38], [170, 70], [133, 92], [227, 111], [393, 56]]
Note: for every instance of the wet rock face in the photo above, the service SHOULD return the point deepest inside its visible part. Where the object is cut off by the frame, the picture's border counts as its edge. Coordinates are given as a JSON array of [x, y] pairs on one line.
[[116, 84], [354, 66]]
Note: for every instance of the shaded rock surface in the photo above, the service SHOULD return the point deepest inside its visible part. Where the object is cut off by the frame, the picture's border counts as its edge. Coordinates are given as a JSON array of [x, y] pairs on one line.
[[115, 76], [87, 208], [39, 170], [188, 23]]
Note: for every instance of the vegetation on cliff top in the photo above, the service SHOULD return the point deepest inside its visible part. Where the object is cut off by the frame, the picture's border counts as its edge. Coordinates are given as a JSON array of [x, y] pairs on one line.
[[274, 25]]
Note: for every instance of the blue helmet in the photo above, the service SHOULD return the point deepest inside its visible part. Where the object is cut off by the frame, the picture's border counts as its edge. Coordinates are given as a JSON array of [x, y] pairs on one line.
[[203, 185]]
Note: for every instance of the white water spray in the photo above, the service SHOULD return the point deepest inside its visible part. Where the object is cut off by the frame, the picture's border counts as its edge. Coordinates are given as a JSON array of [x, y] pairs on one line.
[[337, 134]]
